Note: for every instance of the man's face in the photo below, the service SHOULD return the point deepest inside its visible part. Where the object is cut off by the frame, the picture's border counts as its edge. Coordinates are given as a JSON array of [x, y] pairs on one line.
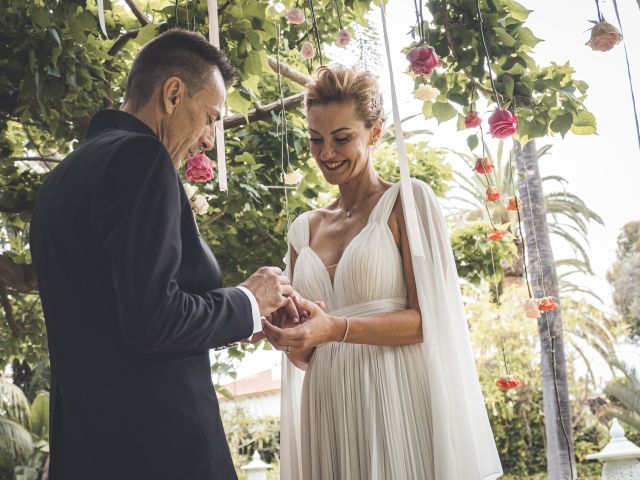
[[189, 123]]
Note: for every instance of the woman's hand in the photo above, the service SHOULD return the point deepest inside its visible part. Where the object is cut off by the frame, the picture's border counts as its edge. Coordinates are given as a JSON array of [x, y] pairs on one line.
[[317, 329]]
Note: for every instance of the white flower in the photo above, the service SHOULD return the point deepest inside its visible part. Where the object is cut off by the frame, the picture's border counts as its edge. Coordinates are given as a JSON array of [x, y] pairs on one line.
[[426, 92], [190, 190], [293, 178], [200, 205]]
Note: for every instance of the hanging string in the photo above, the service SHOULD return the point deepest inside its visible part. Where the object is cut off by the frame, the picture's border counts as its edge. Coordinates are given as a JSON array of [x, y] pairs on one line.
[[600, 17], [335, 2], [284, 142], [419, 19], [626, 57], [498, 305], [315, 31], [486, 51]]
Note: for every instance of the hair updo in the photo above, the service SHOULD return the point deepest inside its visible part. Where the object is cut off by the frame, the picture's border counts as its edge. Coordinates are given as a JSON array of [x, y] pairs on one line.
[[343, 84]]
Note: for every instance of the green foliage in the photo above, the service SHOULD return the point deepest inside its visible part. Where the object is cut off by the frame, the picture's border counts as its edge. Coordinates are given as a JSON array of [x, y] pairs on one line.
[[547, 100], [624, 276], [476, 255], [246, 434], [624, 391]]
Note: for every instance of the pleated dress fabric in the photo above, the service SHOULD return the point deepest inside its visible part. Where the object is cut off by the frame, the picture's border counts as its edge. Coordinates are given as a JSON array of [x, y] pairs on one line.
[[364, 410]]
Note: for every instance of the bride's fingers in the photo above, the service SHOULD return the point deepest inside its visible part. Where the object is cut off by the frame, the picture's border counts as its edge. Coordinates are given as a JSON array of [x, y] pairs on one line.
[[293, 337], [306, 305]]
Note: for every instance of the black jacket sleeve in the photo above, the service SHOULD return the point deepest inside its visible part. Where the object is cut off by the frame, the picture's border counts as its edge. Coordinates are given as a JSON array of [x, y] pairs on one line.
[[137, 207]]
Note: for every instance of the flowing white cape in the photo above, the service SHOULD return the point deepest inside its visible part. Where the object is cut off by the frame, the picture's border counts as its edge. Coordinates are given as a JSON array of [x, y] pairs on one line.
[[463, 444]]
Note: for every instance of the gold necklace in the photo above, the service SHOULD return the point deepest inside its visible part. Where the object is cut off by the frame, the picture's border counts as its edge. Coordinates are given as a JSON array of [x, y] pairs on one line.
[[353, 207]]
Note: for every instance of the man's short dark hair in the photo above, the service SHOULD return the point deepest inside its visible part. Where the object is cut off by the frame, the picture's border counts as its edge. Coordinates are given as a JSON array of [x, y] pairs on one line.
[[175, 53]]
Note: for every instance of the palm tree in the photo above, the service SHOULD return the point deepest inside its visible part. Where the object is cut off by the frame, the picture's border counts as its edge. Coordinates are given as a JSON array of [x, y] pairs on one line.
[[542, 269], [568, 215]]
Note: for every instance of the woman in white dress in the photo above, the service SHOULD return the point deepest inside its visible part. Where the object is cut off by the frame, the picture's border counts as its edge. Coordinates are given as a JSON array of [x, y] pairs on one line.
[[376, 399]]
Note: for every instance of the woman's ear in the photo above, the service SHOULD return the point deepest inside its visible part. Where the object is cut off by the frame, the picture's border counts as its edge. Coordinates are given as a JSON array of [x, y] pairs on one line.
[[376, 132]]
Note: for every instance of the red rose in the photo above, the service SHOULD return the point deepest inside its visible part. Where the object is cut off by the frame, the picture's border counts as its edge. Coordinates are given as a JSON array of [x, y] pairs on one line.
[[508, 382], [423, 60], [502, 123], [604, 37], [200, 168], [547, 304], [472, 120], [483, 165], [512, 204], [493, 194], [495, 235]]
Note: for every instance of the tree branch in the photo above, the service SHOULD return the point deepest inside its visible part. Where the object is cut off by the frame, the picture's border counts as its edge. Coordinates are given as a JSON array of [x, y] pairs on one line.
[[142, 18], [289, 72], [16, 330], [238, 119], [19, 277], [122, 41]]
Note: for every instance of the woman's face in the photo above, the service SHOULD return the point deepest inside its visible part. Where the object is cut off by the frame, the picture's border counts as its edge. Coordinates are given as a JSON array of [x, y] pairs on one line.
[[340, 141]]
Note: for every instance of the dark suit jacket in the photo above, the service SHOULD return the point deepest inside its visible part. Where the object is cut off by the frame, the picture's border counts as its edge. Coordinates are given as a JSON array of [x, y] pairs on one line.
[[133, 301]]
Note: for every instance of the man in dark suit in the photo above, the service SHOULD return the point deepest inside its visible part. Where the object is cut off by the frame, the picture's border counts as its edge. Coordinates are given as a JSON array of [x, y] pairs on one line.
[[132, 296]]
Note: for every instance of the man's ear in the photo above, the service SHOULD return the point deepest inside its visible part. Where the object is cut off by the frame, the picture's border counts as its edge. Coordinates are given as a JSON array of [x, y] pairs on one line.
[[172, 94]]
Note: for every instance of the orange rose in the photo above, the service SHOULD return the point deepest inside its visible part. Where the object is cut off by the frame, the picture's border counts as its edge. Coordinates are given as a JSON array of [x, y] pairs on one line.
[[513, 201], [494, 235], [508, 382], [604, 37], [483, 165], [493, 194], [547, 304]]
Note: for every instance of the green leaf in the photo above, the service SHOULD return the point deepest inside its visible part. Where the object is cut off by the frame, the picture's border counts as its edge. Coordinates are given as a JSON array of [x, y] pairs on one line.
[[508, 83], [506, 39], [444, 111], [40, 415], [562, 124], [427, 109], [518, 11], [472, 141], [146, 33], [238, 103], [526, 36], [585, 124], [253, 64]]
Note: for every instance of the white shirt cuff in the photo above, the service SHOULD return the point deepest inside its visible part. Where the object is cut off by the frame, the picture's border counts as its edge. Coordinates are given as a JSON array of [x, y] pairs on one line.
[[255, 310]]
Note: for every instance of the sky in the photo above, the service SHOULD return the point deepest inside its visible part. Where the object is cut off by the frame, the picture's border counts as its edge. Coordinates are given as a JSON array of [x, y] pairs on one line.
[[602, 169]]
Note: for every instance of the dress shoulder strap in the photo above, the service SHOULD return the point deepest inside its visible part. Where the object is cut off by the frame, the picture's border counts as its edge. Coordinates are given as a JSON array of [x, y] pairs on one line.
[[383, 208], [298, 235]]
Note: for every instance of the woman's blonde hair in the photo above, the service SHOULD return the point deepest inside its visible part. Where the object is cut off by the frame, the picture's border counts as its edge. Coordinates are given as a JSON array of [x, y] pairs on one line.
[[343, 84]]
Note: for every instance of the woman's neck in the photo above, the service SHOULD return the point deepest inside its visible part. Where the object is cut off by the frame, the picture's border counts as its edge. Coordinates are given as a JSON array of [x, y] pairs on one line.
[[360, 188]]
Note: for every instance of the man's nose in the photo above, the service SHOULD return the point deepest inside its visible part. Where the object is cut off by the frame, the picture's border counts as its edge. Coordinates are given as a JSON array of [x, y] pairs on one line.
[[208, 139]]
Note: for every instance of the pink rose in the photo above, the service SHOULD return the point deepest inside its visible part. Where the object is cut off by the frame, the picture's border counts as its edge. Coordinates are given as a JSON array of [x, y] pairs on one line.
[[344, 38], [307, 50], [295, 16], [604, 37], [472, 120], [200, 168], [502, 123], [423, 60]]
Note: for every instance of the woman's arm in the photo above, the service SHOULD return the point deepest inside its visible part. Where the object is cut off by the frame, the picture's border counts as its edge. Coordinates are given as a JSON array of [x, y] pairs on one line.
[[397, 328]]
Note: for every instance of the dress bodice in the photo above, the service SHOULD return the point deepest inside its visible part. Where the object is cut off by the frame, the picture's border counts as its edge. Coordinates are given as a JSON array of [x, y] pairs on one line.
[[370, 268]]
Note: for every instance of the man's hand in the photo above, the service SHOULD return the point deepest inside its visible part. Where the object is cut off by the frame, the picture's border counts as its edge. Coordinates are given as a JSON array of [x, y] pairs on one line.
[[318, 328], [271, 289]]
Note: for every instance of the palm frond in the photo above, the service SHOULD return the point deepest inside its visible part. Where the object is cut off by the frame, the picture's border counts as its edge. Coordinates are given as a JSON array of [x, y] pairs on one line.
[[631, 419], [629, 372], [629, 397], [16, 445], [14, 404]]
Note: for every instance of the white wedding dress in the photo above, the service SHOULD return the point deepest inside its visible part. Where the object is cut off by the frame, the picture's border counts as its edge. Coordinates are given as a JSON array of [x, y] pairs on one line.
[[366, 411]]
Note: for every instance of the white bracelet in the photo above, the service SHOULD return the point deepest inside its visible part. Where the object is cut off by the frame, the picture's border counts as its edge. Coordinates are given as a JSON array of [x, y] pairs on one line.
[[346, 332]]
